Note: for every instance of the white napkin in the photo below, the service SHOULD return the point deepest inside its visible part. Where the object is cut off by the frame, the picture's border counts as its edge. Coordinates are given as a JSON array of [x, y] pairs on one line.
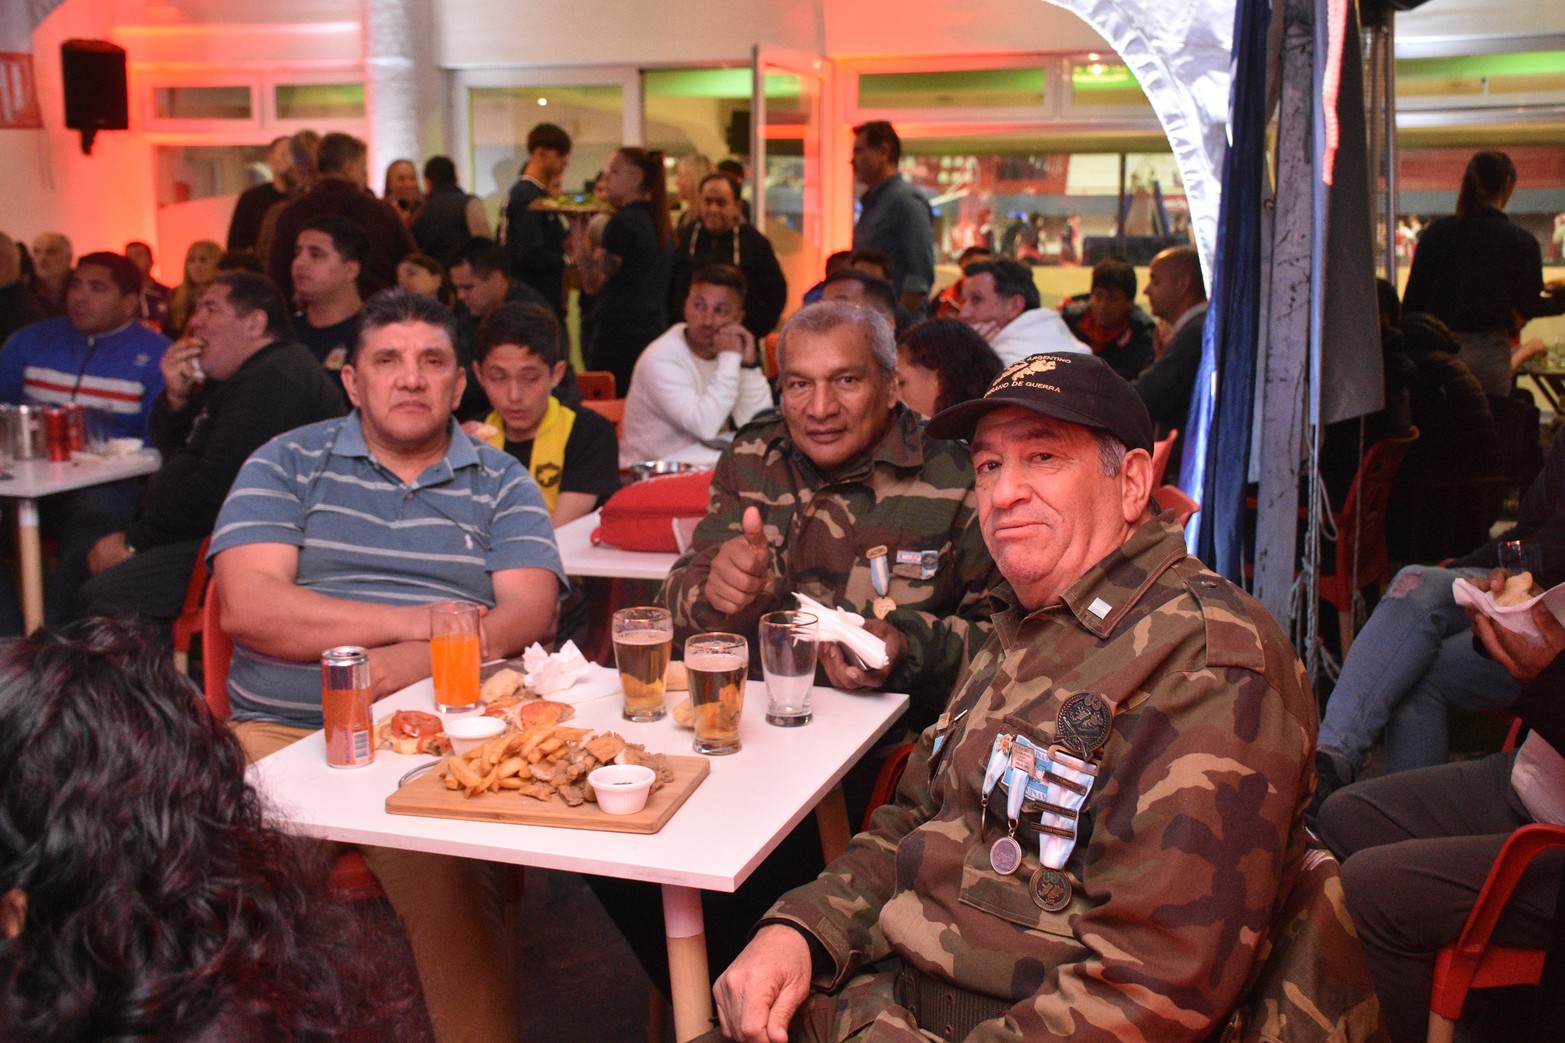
[[549, 673], [836, 624], [1517, 618]]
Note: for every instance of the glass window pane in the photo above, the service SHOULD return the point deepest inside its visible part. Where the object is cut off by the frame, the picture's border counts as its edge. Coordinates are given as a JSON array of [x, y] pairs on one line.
[[1097, 84], [1481, 74], [201, 103], [320, 101], [1049, 205], [792, 178], [500, 118], [956, 88], [188, 172], [703, 112]]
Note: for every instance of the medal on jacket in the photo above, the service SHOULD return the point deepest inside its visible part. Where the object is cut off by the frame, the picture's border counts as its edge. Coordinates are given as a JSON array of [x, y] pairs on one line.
[[1005, 855], [1050, 889], [880, 578], [1083, 724]]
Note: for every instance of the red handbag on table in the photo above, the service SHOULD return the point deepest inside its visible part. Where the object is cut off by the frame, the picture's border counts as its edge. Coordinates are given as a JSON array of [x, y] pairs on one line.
[[642, 516]]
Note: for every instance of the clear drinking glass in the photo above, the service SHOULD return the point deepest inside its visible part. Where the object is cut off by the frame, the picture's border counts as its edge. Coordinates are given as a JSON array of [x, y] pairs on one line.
[[788, 663], [1517, 556], [716, 665], [643, 641]]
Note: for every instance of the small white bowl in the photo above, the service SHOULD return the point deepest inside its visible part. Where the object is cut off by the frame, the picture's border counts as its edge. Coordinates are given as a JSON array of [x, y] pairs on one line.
[[622, 788], [467, 732]]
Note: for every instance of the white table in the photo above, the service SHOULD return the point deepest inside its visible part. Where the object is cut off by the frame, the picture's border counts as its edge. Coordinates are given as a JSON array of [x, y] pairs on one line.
[[581, 558], [30, 481], [733, 820]]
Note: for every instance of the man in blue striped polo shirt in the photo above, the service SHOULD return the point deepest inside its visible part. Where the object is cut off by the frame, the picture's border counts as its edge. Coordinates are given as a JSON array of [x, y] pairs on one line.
[[340, 533]]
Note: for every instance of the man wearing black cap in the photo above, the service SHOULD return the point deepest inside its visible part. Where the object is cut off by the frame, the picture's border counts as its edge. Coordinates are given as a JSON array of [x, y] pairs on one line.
[[1097, 837]]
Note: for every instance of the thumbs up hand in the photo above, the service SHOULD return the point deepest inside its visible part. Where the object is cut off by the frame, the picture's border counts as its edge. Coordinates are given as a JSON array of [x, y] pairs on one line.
[[742, 569]]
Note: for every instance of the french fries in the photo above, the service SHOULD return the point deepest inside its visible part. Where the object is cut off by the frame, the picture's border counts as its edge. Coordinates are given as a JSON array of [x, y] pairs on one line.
[[545, 762]]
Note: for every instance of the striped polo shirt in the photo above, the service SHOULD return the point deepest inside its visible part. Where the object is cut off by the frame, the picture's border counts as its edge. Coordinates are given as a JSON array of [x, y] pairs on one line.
[[365, 535]]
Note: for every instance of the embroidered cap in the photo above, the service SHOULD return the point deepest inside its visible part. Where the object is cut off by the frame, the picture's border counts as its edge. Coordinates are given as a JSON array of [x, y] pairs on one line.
[[1077, 387]]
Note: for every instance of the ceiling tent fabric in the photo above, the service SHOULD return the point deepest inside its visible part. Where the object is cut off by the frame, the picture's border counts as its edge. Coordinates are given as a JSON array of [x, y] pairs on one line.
[[1181, 55]]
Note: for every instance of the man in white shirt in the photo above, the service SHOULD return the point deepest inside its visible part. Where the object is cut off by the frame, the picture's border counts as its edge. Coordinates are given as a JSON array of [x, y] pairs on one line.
[[1000, 302], [699, 381]]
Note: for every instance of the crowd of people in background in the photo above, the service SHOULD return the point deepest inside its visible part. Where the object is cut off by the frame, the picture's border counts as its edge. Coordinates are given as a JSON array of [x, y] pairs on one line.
[[278, 357]]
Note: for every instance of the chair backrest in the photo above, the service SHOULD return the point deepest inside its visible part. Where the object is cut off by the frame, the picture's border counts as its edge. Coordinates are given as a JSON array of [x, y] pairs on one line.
[[1471, 961], [1160, 451], [1173, 498], [216, 650], [1361, 556], [611, 408], [596, 384]]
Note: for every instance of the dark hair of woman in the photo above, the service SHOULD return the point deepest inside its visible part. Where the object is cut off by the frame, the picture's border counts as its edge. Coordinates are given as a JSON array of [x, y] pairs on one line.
[[156, 902], [1488, 180], [965, 362], [654, 186]]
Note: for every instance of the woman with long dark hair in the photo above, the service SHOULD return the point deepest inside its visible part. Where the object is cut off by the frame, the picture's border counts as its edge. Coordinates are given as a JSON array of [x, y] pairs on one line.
[[1480, 274], [142, 895], [629, 271], [941, 362]]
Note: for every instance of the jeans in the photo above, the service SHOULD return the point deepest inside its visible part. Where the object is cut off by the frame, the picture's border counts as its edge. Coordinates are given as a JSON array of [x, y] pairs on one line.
[[1413, 661]]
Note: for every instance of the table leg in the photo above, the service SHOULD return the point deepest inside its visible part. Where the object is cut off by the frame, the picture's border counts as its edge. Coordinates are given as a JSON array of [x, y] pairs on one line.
[[831, 818], [30, 564], [689, 980]]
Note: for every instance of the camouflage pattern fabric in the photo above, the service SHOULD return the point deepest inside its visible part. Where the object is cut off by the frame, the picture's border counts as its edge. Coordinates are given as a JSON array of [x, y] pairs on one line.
[[1190, 841], [913, 495]]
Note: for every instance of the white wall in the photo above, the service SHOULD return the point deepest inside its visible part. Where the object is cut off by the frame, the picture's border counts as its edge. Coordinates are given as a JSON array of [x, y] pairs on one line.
[[49, 184]]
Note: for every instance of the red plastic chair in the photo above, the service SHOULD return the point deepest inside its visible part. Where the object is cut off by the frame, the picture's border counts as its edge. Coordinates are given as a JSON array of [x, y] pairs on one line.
[[1160, 453], [612, 409], [189, 622], [886, 782], [1361, 556], [596, 384], [1173, 498], [351, 879], [1471, 962]]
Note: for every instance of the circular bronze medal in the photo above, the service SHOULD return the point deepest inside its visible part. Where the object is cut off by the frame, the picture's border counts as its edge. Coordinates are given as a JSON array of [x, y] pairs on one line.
[[1083, 724], [883, 607], [1005, 856], [1051, 889]]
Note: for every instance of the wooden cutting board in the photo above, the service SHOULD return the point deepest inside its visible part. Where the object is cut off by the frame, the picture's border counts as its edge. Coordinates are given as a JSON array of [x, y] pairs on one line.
[[427, 796]]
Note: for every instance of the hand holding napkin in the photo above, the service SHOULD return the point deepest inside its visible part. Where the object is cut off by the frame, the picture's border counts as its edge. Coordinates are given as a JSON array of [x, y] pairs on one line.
[[844, 627], [548, 673]]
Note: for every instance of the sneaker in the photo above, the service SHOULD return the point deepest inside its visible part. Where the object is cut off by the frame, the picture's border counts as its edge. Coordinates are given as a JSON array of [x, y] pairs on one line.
[[1332, 772]]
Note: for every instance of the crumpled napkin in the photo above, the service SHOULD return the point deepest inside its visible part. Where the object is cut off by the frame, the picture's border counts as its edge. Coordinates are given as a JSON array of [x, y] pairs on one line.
[[549, 673], [1518, 617], [840, 625]]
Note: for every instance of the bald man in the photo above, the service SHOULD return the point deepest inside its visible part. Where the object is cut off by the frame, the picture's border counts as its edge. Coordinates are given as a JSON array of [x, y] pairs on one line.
[[1178, 298]]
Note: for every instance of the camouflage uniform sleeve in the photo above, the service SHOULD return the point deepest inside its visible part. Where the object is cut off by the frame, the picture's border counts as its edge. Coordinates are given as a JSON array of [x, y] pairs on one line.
[[684, 591], [841, 907], [1195, 837], [938, 646]]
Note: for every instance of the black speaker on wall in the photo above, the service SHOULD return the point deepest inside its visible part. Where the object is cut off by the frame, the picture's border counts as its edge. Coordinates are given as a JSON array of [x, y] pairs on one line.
[[96, 97]]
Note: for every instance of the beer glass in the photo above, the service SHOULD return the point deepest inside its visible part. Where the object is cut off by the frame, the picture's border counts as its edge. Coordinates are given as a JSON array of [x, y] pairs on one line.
[[788, 663], [643, 640], [716, 665], [453, 654]]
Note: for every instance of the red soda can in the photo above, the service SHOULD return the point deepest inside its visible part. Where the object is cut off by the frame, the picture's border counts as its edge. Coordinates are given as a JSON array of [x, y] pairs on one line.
[[345, 707], [76, 426], [55, 434]]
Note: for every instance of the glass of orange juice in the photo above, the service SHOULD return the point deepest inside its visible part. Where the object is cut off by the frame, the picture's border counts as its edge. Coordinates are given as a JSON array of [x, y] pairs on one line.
[[453, 654]]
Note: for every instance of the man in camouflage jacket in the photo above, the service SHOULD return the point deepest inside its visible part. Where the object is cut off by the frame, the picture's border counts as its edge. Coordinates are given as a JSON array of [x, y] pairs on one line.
[[808, 502], [1189, 840]]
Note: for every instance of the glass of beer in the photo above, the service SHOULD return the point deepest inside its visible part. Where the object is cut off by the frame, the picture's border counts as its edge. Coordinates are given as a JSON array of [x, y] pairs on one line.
[[716, 665], [643, 640], [453, 654], [788, 663]]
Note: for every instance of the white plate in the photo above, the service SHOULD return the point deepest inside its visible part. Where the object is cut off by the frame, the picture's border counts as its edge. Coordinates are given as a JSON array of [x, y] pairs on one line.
[[1515, 618]]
